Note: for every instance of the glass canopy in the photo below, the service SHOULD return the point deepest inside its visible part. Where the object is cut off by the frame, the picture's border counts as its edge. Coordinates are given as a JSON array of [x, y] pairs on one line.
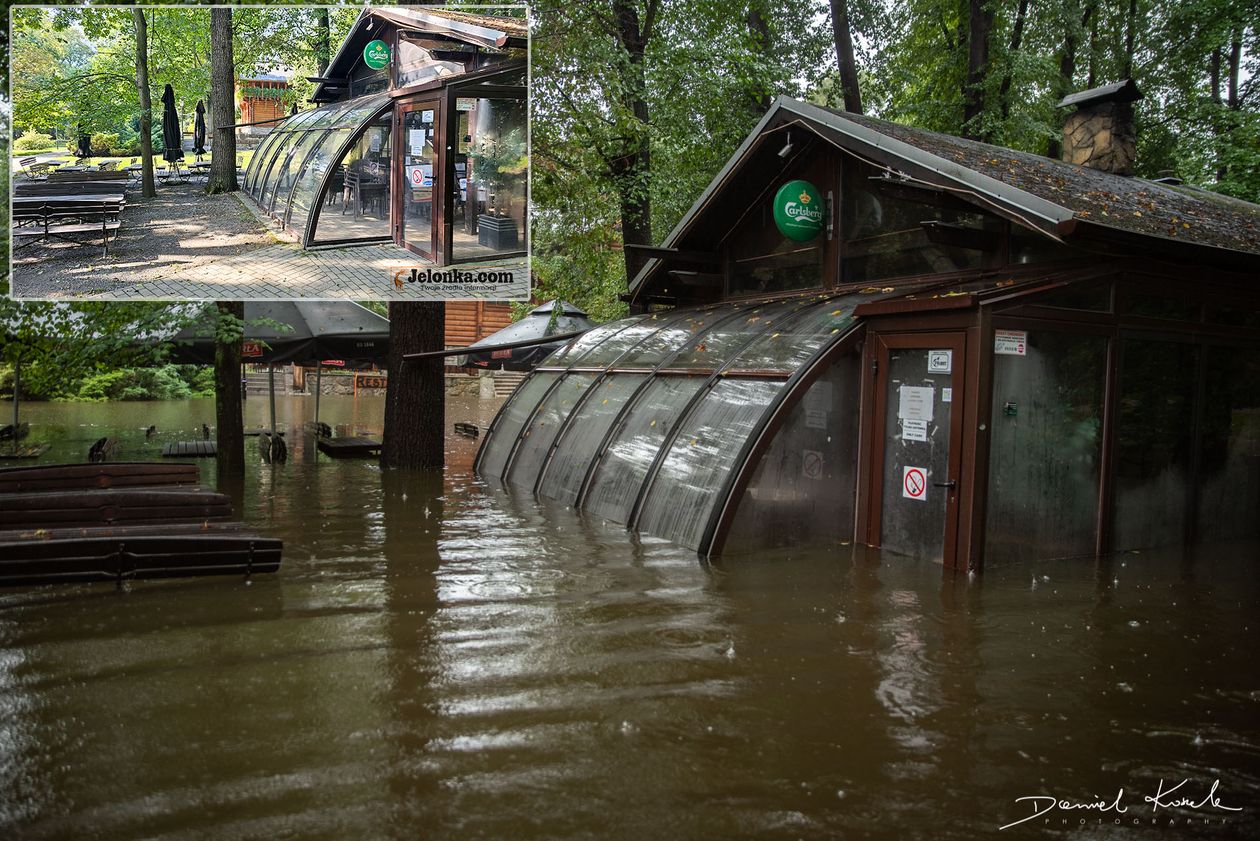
[[301, 167], [649, 420]]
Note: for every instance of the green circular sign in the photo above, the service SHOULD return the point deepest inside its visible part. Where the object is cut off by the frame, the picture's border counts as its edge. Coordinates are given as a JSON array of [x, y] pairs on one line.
[[799, 211], [376, 54]]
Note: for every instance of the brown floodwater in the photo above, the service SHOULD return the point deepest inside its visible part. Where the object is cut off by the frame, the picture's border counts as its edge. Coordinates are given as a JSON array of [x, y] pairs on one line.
[[439, 660]]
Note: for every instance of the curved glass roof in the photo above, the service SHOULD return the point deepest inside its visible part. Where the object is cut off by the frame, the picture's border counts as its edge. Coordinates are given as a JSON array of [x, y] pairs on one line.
[[644, 421], [293, 168]]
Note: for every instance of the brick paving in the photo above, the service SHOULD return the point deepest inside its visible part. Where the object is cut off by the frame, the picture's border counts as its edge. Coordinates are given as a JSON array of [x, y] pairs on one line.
[[243, 266]]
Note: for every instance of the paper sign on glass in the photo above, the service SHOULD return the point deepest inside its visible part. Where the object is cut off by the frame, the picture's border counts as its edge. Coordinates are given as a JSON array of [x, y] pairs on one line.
[[915, 403]]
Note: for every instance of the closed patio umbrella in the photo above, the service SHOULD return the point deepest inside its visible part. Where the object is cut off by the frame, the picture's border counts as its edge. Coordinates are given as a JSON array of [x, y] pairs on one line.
[[83, 149], [293, 110], [553, 318], [199, 130], [172, 137]]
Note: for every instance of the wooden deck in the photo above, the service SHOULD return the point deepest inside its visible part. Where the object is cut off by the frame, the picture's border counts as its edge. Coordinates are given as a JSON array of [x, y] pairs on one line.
[[189, 449], [348, 447]]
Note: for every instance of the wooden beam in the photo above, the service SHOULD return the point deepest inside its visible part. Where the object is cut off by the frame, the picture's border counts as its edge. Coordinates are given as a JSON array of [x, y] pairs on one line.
[[675, 254]]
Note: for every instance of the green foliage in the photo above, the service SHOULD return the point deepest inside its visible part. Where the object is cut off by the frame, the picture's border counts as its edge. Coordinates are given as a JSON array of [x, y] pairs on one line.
[[168, 382], [33, 141]]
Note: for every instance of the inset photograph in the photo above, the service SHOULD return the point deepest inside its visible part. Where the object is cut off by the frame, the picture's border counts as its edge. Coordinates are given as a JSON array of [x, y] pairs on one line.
[[270, 153]]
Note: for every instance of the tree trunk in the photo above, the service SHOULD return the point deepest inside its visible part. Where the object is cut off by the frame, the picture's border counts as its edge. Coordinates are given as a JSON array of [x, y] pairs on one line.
[[980, 25], [843, 35], [1017, 39], [632, 171], [1130, 40], [148, 187], [229, 427], [1067, 69], [322, 44], [223, 153], [1235, 58], [415, 398], [759, 98]]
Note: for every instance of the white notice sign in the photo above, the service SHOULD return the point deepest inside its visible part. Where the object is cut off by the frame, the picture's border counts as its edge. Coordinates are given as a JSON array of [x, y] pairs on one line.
[[916, 403], [914, 430], [1010, 342], [415, 139], [817, 401], [940, 361], [947, 395]]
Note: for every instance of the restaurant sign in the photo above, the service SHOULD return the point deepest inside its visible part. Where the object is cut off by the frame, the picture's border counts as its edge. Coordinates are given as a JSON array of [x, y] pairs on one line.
[[376, 54], [798, 211]]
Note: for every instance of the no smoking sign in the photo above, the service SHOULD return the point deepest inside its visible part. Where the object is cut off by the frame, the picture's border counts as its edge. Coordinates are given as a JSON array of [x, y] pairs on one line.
[[914, 483]]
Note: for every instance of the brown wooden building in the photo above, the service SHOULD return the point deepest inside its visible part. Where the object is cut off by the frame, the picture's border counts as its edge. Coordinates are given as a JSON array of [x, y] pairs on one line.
[[951, 350], [261, 98]]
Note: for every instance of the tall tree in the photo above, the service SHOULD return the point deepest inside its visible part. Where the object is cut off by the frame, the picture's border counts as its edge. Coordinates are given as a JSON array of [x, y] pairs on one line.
[[148, 186], [843, 35], [323, 48], [415, 397], [979, 28], [229, 425], [222, 81]]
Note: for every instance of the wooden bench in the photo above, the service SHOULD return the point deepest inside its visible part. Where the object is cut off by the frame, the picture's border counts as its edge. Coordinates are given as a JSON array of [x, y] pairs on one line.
[[38, 218], [62, 176]]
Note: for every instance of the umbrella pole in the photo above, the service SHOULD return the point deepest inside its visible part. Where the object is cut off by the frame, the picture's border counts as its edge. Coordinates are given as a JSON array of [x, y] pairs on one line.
[[271, 393], [319, 369], [17, 383]]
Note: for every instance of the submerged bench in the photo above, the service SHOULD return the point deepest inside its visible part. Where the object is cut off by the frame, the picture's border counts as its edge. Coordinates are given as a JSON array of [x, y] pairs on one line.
[[118, 474]]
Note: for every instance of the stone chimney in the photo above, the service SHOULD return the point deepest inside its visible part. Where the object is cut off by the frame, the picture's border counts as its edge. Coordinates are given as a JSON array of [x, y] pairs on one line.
[[1100, 133]]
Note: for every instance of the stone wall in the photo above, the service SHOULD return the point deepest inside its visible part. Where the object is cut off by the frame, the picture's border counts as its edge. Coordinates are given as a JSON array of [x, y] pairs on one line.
[[1102, 137], [342, 382]]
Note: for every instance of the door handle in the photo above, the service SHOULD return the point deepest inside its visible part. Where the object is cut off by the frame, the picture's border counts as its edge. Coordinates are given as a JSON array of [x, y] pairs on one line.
[[950, 484]]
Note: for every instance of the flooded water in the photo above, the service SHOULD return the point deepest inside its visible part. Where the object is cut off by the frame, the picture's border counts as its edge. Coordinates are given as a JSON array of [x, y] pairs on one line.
[[436, 660]]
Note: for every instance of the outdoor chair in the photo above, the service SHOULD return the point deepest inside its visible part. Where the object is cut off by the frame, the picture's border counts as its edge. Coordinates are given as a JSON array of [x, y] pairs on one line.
[[33, 169]]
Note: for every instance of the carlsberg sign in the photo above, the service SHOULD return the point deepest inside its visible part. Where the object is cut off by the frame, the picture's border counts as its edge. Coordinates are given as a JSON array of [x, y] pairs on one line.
[[799, 210]]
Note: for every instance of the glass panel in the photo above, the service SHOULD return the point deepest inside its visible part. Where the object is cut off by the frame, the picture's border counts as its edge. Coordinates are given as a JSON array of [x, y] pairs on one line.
[[714, 348], [1077, 296], [537, 439], [893, 230], [286, 174], [916, 454], [1154, 442], [1046, 448], [1159, 306], [802, 492], [256, 160], [266, 183], [1229, 460], [610, 350], [795, 339], [419, 133], [508, 424], [359, 187], [281, 143], [489, 197], [684, 492], [634, 446], [416, 63], [313, 175], [582, 437], [359, 110], [566, 355], [653, 350]]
